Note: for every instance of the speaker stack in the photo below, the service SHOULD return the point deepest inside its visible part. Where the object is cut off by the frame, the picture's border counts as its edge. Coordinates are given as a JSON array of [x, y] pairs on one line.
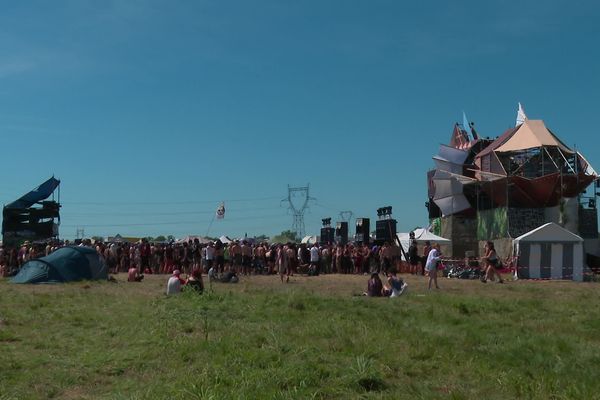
[[362, 231], [341, 233], [385, 227], [327, 232]]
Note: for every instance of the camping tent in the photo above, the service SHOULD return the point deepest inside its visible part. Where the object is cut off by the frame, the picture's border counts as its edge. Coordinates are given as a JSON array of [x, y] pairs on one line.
[[64, 265], [549, 252], [421, 236]]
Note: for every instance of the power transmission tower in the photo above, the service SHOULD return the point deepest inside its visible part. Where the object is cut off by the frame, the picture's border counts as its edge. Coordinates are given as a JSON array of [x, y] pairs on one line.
[[346, 216], [298, 200]]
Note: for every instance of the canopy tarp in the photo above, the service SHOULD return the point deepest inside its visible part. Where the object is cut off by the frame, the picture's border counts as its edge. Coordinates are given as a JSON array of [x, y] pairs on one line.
[[449, 195], [532, 134], [40, 193]]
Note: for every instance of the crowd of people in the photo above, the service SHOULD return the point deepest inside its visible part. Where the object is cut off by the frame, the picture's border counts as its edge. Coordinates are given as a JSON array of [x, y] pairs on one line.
[[245, 257]]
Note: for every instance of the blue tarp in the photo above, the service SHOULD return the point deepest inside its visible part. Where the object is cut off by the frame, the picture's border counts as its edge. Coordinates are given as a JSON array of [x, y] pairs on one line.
[[40, 193]]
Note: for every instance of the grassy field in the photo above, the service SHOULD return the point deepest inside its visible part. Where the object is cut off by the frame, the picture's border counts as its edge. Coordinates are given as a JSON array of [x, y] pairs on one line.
[[313, 338]]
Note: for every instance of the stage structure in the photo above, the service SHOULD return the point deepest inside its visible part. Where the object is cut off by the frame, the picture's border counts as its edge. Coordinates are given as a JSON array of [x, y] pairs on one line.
[[499, 189], [21, 220]]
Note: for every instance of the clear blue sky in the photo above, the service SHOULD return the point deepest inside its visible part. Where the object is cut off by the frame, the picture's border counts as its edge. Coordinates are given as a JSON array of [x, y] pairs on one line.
[[151, 112]]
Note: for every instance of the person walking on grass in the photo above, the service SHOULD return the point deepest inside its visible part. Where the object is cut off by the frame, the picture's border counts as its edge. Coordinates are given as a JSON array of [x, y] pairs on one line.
[[433, 259], [491, 263]]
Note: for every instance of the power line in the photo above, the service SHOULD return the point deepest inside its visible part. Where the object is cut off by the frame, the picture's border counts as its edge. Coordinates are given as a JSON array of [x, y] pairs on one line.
[[166, 202], [171, 222]]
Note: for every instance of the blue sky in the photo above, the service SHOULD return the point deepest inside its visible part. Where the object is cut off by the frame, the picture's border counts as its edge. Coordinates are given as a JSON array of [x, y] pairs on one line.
[[151, 112]]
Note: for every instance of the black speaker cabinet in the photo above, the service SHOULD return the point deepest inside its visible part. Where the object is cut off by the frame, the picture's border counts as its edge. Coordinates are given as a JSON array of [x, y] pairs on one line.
[[341, 232], [385, 231], [327, 235], [362, 231]]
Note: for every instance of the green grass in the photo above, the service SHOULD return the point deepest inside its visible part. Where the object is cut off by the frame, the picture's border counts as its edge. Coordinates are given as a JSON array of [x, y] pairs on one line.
[[311, 339]]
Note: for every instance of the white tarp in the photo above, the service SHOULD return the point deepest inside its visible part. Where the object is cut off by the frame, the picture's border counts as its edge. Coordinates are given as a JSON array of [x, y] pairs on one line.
[[309, 239], [224, 239]]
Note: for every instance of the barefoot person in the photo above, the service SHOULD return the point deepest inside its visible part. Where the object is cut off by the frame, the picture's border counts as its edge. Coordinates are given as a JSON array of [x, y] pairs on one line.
[[433, 259]]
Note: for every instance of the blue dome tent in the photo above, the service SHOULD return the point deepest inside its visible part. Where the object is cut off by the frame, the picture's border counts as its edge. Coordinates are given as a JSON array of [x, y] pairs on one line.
[[64, 265]]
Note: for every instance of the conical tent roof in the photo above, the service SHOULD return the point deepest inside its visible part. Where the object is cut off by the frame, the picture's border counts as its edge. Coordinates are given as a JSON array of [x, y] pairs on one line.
[[532, 134]]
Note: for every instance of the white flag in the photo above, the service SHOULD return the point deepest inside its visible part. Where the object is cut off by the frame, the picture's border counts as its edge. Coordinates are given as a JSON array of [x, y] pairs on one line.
[[221, 211], [521, 117]]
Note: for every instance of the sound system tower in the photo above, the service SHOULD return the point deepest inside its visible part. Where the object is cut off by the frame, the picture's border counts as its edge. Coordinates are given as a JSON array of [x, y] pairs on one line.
[[327, 235], [362, 231], [385, 231], [341, 233]]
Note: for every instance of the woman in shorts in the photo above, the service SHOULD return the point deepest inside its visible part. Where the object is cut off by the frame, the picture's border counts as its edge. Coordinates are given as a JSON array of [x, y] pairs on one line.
[[491, 263]]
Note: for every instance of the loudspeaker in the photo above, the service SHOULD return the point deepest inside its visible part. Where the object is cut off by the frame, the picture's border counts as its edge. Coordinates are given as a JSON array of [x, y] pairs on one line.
[[341, 233], [327, 235], [362, 231], [385, 231]]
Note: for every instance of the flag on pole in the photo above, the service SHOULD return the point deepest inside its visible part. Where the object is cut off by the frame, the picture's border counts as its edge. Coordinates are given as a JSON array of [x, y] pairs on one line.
[[521, 117], [221, 211], [465, 123]]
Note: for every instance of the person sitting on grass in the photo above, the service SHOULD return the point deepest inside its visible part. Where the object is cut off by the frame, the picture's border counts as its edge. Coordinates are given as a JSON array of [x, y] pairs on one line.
[[174, 283], [230, 277], [194, 281], [491, 263], [374, 286], [396, 285], [133, 275]]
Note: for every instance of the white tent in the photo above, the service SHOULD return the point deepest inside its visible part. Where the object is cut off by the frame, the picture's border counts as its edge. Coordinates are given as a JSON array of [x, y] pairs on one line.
[[421, 236], [186, 239], [309, 239], [549, 252], [225, 239]]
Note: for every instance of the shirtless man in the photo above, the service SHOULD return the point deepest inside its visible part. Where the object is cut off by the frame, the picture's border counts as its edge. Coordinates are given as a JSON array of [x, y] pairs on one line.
[[246, 252], [235, 255], [386, 257], [259, 258]]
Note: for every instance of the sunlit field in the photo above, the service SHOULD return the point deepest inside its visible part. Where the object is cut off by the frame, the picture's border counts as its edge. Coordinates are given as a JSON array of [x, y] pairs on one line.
[[314, 338]]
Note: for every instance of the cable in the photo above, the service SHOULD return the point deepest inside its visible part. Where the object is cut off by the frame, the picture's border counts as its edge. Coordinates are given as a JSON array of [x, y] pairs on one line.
[[166, 202], [169, 223]]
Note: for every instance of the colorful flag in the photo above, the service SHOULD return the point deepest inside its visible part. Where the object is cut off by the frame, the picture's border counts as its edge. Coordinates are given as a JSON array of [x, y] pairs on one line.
[[221, 211]]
